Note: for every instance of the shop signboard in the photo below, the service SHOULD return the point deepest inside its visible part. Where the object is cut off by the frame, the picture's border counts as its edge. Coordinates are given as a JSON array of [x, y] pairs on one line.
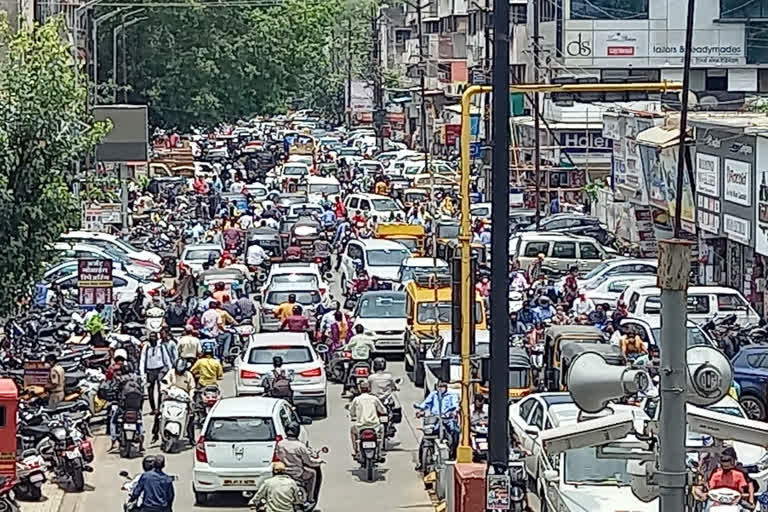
[[761, 212], [736, 229], [94, 283], [100, 217], [737, 182], [707, 174]]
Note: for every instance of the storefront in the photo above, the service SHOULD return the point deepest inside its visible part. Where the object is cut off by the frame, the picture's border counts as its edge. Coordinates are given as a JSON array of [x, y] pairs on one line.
[[726, 200]]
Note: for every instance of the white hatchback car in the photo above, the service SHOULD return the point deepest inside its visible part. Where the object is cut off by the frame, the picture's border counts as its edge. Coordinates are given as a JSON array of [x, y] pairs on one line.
[[298, 272], [236, 447], [310, 385]]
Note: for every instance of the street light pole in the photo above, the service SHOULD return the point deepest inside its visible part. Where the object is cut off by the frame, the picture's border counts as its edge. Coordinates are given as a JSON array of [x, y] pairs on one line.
[[115, 32]]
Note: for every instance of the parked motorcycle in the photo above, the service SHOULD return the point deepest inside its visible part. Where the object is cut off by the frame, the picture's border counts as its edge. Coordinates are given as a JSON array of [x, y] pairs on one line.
[[30, 476], [68, 450]]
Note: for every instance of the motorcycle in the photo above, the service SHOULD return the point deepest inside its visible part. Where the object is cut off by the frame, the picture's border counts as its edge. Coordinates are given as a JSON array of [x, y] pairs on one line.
[[310, 496], [69, 451], [359, 372], [174, 416], [128, 425], [368, 450], [479, 442], [7, 497], [338, 366], [30, 476], [206, 399]]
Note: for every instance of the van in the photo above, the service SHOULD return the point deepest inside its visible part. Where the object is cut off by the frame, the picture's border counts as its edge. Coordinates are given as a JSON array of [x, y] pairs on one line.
[[561, 251], [378, 257], [704, 302], [383, 207]]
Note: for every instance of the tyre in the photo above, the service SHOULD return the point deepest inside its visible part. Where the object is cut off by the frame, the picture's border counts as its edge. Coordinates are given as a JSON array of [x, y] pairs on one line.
[[418, 374], [124, 447], [408, 365], [753, 406], [321, 411], [167, 445], [201, 498], [78, 479], [428, 459], [370, 470]]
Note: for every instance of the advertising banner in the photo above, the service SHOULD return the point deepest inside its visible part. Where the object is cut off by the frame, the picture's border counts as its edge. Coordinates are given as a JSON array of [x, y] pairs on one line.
[[94, 282], [707, 174], [761, 212], [737, 182]]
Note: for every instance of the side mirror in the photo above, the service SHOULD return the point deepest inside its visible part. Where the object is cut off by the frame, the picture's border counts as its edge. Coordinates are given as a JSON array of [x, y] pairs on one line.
[[532, 431], [322, 348], [551, 476], [324, 449], [123, 474], [328, 276], [305, 420]]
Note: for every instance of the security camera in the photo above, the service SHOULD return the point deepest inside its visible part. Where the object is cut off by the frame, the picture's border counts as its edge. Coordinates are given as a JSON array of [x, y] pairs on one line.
[[587, 433], [724, 426]]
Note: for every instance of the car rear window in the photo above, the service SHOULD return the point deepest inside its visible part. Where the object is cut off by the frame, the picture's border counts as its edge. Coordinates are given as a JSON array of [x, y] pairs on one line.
[[241, 430], [290, 355], [303, 298], [295, 278]]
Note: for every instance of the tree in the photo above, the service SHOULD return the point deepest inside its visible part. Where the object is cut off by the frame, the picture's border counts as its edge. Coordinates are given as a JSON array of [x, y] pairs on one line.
[[41, 135]]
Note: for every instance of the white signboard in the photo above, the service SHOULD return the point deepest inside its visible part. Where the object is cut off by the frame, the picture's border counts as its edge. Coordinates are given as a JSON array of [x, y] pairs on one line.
[[707, 174], [709, 222], [761, 212], [737, 182], [611, 127], [736, 229]]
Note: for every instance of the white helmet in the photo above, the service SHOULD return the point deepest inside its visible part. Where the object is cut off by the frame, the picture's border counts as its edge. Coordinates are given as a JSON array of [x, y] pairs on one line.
[[121, 353]]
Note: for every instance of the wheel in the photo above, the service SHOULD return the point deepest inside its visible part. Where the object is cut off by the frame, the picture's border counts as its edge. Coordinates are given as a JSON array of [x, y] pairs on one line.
[[201, 498], [35, 493], [408, 365], [78, 479], [427, 459], [321, 411], [418, 374], [167, 445], [370, 470], [753, 406], [124, 447]]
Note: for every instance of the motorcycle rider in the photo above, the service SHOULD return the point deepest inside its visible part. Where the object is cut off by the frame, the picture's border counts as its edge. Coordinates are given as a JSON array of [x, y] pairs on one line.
[[445, 405], [189, 345], [728, 476], [176, 316], [207, 370], [180, 377], [130, 397], [323, 250], [360, 347], [154, 488], [364, 412], [381, 381], [299, 462], [277, 383], [296, 322], [280, 492]]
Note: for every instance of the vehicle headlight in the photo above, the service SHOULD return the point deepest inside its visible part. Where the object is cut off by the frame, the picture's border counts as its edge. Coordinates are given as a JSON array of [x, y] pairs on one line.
[[59, 433]]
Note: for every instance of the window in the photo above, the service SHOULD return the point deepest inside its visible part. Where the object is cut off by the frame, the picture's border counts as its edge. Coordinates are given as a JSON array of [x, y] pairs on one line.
[[757, 360], [632, 75], [716, 80], [355, 252], [698, 304], [240, 430], [526, 407], [549, 10], [609, 10], [632, 305], [589, 251], [534, 248], [564, 250], [305, 298], [365, 205], [743, 9], [519, 13], [118, 282], [731, 303], [353, 203], [757, 50], [285, 416], [537, 417], [618, 286], [387, 257], [517, 73], [290, 355]]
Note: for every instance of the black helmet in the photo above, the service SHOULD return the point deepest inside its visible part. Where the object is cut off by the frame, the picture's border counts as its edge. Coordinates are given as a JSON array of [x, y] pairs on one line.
[[379, 364], [148, 463], [159, 462], [277, 361], [292, 429]]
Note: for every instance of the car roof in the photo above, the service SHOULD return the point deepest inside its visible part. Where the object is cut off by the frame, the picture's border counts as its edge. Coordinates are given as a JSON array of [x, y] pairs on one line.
[[245, 406], [202, 247], [89, 234], [328, 180], [383, 293], [300, 286], [380, 243], [372, 162], [626, 261], [262, 339], [424, 261], [654, 321], [655, 290], [294, 268], [369, 196], [553, 235]]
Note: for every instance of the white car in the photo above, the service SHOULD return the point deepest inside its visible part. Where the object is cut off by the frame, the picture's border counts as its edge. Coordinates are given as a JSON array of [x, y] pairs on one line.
[[309, 382], [298, 272], [119, 259], [383, 207], [293, 170], [413, 266], [257, 191], [195, 255], [124, 286], [371, 167], [382, 315], [617, 267], [649, 329], [237, 444], [610, 287], [307, 296], [380, 258], [99, 239], [304, 210], [317, 186]]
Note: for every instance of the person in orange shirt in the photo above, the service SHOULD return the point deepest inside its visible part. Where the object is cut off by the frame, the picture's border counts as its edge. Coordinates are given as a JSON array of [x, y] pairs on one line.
[[728, 476], [219, 291], [285, 309]]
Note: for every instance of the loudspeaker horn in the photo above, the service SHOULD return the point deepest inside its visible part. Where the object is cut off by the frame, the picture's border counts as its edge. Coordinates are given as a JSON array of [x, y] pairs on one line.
[[593, 382]]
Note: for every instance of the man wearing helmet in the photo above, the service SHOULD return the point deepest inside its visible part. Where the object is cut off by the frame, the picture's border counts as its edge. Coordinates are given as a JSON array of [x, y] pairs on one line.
[[154, 487], [299, 462], [382, 382], [280, 492], [129, 393]]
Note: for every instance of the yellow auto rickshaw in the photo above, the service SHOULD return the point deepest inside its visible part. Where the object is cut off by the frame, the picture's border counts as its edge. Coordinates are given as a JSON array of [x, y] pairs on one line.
[[521, 378], [555, 338], [410, 235]]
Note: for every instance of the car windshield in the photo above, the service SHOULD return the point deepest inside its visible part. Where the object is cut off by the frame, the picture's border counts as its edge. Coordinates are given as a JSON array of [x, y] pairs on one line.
[[201, 254], [115, 253], [304, 298], [257, 191], [583, 467], [411, 243], [447, 231], [597, 270], [519, 378], [324, 188], [426, 312], [290, 355], [126, 246], [382, 307], [409, 272], [295, 278], [385, 205], [294, 170], [349, 152], [386, 257], [240, 430], [696, 338]]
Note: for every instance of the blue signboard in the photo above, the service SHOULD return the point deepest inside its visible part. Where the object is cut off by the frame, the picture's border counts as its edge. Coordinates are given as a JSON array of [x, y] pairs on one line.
[[474, 125], [474, 149]]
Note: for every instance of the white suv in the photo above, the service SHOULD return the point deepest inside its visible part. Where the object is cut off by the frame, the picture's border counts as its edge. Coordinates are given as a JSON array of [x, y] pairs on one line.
[[380, 258], [236, 447], [309, 382], [383, 207]]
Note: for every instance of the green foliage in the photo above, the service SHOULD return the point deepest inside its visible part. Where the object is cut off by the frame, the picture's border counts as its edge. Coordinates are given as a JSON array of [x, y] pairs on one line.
[[592, 189], [198, 66], [42, 106]]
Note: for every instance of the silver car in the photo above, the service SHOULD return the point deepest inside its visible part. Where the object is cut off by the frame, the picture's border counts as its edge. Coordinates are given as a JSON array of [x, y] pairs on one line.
[[307, 294]]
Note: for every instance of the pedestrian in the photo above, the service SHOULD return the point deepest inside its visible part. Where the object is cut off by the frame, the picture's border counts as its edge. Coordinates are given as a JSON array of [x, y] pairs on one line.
[[154, 363]]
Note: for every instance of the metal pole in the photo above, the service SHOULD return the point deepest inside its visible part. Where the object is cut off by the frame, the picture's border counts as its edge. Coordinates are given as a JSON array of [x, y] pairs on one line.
[[674, 267], [536, 110], [349, 74], [423, 119], [125, 70], [464, 452], [498, 415], [115, 32], [124, 194], [684, 114]]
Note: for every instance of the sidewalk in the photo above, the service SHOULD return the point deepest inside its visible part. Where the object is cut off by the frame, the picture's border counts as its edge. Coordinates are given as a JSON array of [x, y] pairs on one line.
[[53, 496]]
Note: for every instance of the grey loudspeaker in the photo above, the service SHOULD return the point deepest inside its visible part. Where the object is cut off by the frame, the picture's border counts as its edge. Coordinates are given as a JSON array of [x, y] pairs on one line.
[[593, 382]]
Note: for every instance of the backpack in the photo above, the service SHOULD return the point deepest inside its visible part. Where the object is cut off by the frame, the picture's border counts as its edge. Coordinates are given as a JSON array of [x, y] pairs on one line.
[[281, 386], [131, 394]]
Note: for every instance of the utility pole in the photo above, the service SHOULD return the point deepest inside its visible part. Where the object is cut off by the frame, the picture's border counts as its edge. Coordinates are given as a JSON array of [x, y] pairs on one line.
[[423, 63], [125, 66], [536, 113], [498, 412], [349, 73], [487, 64], [378, 93]]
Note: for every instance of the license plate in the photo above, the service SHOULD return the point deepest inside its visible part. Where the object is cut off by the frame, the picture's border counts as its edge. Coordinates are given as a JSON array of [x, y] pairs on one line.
[[383, 419], [73, 454], [239, 482], [369, 444], [129, 426], [482, 445], [37, 477]]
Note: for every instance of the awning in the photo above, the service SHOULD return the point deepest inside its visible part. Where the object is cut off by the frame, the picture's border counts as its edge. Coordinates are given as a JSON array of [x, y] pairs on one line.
[[659, 136]]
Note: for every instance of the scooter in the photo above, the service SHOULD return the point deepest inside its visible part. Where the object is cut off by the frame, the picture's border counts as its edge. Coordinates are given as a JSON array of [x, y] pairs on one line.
[[724, 500], [30, 475], [155, 319], [310, 496], [174, 416]]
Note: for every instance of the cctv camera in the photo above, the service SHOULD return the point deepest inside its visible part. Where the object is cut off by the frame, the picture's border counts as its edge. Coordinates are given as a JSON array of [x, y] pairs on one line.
[[726, 427], [587, 433]]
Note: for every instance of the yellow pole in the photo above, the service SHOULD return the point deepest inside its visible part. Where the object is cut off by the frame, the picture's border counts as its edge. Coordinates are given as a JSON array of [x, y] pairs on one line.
[[464, 452]]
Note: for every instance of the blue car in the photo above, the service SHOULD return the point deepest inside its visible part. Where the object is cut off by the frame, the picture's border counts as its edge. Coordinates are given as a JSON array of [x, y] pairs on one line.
[[750, 371]]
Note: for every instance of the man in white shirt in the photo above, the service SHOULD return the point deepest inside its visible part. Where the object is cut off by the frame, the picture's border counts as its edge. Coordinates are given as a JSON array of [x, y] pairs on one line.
[[245, 221], [583, 305], [189, 345], [256, 255], [364, 411]]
